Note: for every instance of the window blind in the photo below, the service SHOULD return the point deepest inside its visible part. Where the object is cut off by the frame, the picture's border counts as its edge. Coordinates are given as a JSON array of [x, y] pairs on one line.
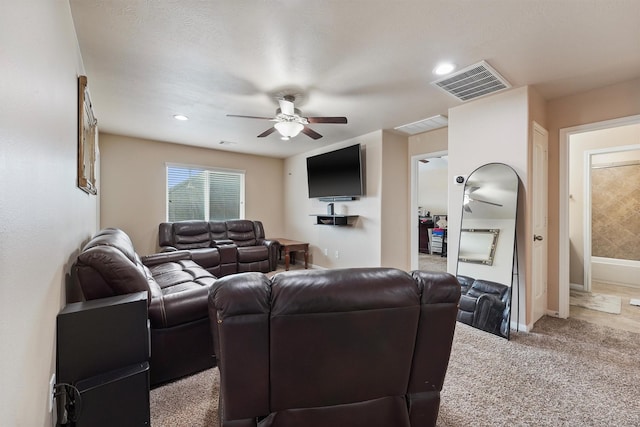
[[204, 194]]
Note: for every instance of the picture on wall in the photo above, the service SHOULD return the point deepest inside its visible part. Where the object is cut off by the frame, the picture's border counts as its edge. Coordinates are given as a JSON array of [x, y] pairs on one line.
[[87, 139]]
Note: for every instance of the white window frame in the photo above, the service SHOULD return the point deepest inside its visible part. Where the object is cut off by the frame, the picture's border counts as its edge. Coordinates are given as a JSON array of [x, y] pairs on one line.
[[238, 172]]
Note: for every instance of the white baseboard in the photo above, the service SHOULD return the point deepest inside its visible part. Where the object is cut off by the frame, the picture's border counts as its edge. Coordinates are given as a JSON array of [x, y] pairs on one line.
[[521, 327], [616, 271]]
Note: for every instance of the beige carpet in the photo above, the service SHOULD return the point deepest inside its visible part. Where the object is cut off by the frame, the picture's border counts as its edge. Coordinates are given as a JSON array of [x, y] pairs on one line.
[[593, 301], [563, 373]]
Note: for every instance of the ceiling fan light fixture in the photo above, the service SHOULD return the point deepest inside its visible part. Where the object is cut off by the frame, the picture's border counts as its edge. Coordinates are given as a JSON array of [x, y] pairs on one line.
[[289, 129]]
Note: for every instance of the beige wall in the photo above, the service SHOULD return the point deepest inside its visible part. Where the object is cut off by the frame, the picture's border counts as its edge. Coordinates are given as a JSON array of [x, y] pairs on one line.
[[395, 202], [433, 186], [44, 218], [429, 142], [133, 179], [581, 143], [358, 245], [494, 129], [606, 103]]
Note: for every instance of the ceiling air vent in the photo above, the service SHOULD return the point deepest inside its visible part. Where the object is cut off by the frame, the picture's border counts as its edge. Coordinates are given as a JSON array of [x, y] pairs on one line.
[[424, 125], [472, 82]]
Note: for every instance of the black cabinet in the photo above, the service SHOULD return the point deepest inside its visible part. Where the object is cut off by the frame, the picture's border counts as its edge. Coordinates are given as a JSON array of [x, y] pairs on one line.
[[102, 364]]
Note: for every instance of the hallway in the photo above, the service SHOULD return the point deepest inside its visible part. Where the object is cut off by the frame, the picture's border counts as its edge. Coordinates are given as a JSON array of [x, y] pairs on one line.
[[629, 317]]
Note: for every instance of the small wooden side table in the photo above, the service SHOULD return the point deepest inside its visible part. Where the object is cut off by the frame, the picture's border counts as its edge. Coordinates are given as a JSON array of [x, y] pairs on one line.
[[293, 246]]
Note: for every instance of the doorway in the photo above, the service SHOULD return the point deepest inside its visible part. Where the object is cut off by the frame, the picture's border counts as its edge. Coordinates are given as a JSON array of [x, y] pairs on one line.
[[438, 189], [575, 207]]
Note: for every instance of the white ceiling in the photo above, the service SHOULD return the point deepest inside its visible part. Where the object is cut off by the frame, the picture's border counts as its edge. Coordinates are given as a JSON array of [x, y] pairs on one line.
[[368, 60]]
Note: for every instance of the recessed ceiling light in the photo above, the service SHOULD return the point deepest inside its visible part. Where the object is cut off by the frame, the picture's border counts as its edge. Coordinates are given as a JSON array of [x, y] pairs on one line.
[[444, 68], [180, 117]]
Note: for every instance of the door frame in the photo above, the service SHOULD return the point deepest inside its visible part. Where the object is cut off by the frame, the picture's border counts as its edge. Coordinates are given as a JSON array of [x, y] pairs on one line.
[[563, 223], [413, 210], [587, 212]]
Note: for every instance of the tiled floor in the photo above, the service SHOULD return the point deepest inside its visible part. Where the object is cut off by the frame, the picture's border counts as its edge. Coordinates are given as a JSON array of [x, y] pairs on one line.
[[629, 317]]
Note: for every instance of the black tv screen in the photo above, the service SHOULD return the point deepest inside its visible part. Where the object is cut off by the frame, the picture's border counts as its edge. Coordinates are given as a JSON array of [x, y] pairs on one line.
[[336, 173]]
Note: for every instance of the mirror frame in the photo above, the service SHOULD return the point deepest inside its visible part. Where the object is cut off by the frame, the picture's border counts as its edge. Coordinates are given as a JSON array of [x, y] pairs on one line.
[[488, 260], [87, 140], [504, 287]]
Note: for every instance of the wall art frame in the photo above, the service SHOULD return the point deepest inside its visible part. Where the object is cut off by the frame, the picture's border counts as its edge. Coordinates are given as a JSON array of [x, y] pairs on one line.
[[87, 139]]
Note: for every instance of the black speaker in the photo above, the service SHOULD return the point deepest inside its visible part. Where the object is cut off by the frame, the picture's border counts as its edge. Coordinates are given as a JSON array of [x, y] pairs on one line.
[[102, 364], [116, 398], [98, 336]]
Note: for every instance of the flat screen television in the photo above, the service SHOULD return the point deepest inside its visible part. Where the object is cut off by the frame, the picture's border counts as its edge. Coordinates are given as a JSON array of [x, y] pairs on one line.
[[336, 174]]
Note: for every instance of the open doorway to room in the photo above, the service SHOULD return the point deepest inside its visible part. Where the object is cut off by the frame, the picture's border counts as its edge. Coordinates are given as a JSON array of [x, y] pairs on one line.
[[429, 201], [601, 201]]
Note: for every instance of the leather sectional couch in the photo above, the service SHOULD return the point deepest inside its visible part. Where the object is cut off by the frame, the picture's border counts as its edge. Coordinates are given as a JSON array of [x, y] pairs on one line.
[[357, 347], [177, 290], [485, 305], [222, 247]]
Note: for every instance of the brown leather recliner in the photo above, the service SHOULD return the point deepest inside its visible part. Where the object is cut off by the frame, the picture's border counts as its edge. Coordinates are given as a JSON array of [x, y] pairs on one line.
[[177, 288], [357, 347]]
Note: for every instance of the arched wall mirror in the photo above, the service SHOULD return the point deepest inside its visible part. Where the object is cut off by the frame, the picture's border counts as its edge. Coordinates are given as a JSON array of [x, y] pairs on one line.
[[486, 248]]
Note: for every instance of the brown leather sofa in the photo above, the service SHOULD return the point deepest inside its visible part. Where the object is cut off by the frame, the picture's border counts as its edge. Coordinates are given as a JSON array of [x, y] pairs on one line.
[[347, 347], [485, 305], [177, 289], [241, 244]]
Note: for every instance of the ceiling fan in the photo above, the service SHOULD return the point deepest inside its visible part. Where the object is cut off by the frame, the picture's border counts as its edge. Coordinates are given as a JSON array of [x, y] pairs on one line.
[[468, 199], [290, 122]]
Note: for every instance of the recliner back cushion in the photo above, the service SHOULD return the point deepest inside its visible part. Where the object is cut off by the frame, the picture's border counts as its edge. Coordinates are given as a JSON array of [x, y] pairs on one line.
[[191, 235], [355, 327], [108, 265], [242, 232], [218, 230], [481, 287]]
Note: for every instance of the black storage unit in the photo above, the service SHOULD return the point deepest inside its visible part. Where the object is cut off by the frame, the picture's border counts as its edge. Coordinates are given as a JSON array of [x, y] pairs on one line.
[[103, 351]]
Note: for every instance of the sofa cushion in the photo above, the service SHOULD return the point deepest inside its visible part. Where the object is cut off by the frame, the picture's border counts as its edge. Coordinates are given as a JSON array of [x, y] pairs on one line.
[[242, 232], [218, 230], [253, 254], [191, 235], [108, 266], [182, 285]]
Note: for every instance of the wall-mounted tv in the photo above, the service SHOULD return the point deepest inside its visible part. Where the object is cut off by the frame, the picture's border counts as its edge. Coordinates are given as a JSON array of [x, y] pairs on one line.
[[336, 174]]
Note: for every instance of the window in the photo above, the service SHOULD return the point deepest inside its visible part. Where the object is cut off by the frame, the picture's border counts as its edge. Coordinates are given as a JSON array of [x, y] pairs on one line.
[[206, 194]]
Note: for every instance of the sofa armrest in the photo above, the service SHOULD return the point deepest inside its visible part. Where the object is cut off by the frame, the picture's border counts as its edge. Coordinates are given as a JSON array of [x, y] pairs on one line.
[[489, 312], [168, 249], [274, 247], [239, 311], [163, 257]]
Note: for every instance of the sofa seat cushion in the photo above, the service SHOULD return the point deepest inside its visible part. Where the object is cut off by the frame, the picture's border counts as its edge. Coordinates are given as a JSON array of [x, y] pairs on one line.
[[184, 286], [253, 254], [206, 257]]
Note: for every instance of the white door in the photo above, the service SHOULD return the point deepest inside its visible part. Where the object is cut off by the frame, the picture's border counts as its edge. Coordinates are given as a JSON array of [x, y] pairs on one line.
[[539, 221]]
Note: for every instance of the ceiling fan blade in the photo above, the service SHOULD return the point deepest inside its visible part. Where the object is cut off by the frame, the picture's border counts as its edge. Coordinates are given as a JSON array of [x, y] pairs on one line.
[[250, 117], [311, 133], [267, 132], [286, 107], [484, 201], [327, 119], [469, 190]]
